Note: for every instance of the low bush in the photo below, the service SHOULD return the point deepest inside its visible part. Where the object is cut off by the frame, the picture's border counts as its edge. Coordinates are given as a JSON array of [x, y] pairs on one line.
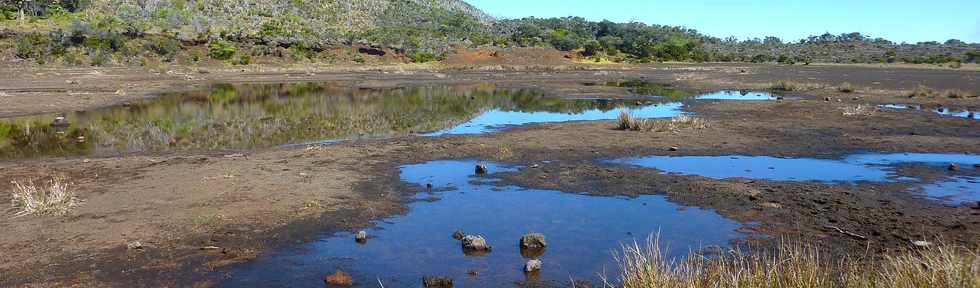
[[845, 87], [221, 50]]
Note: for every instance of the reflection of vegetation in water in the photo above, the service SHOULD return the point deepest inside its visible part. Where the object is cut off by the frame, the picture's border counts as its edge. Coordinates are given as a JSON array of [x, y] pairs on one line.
[[653, 89], [252, 116]]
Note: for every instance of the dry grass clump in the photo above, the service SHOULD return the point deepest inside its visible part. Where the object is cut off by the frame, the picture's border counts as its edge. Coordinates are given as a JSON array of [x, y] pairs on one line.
[[921, 91], [797, 265], [627, 121], [846, 87], [858, 110], [789, 86], [956, 93], [785, 85], [53, 197]]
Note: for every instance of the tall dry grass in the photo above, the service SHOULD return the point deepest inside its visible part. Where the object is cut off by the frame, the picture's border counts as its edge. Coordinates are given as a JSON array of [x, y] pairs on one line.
[[797, 265], [627, 121], [52, 197]]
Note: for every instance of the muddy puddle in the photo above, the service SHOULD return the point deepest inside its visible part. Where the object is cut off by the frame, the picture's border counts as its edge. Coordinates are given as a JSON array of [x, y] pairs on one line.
[[944, 111], [249, 116], [958, 183], [582, 233]]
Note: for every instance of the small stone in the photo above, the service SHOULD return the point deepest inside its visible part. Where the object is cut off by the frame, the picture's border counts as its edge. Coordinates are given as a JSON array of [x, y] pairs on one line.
[[458, 235], [361, 236], [674, 148], [475, 243], [533, 241], [60, 121], [481, 169], [437, 282], [340, 278], [135, 245], [953, 167], [532, 265], [921, 243], [826, 99]]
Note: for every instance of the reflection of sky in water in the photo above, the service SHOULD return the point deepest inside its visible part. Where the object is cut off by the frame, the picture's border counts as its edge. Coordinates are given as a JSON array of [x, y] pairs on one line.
[[859, 167], [957, 190], [496, 119], [943, 111], [736, 95], [582, 233]]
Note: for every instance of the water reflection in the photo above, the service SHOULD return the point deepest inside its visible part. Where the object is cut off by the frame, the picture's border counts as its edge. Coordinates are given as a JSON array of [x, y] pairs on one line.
[[582, 234], [254, 116]]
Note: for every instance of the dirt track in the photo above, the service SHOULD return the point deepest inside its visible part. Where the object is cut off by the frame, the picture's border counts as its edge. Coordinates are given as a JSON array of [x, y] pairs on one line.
[[176, 204]]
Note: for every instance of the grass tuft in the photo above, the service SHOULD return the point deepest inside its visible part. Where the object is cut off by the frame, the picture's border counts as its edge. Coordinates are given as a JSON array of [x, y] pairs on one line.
[[627, 121], [846, 87], [53, 197], [790, 86], [956, 93], [921, 91], [796, 265]]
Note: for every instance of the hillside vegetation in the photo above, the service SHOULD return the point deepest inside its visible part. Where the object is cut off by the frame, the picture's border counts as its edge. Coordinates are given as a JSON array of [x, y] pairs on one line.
[[128, 32]]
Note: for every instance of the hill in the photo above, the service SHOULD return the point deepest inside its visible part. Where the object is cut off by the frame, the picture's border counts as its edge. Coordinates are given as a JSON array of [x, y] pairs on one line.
[[106, 32]]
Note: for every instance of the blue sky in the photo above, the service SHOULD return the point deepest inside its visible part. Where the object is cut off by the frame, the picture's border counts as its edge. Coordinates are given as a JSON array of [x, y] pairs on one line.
[[896, 20]]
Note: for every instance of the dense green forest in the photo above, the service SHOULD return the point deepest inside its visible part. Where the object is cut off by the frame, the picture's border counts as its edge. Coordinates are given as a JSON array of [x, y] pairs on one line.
[[106, 32]]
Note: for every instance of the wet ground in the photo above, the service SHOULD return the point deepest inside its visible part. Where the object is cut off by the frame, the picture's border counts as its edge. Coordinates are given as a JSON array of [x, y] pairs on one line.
[[222, 185]]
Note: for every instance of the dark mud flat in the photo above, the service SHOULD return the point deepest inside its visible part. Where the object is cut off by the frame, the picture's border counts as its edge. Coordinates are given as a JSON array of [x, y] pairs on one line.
[[583, 233]]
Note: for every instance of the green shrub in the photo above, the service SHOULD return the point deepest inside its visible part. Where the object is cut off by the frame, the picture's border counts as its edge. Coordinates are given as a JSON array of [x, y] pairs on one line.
[[33, 46], [99, 57], [221, 50], [244, 59], [167, 48], [422, 57]]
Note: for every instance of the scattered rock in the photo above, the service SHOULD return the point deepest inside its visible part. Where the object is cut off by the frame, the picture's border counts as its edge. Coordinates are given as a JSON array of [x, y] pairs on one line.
[[532, 265], [674, 148], [826, 99], [340, 278], [72, 82], [210, 248], [458, 235], [481, 169], [475, 243], [60, 121], [135, 245], [533, 241], [922, 243], [361, 236], [437, 282], [953, 167]]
